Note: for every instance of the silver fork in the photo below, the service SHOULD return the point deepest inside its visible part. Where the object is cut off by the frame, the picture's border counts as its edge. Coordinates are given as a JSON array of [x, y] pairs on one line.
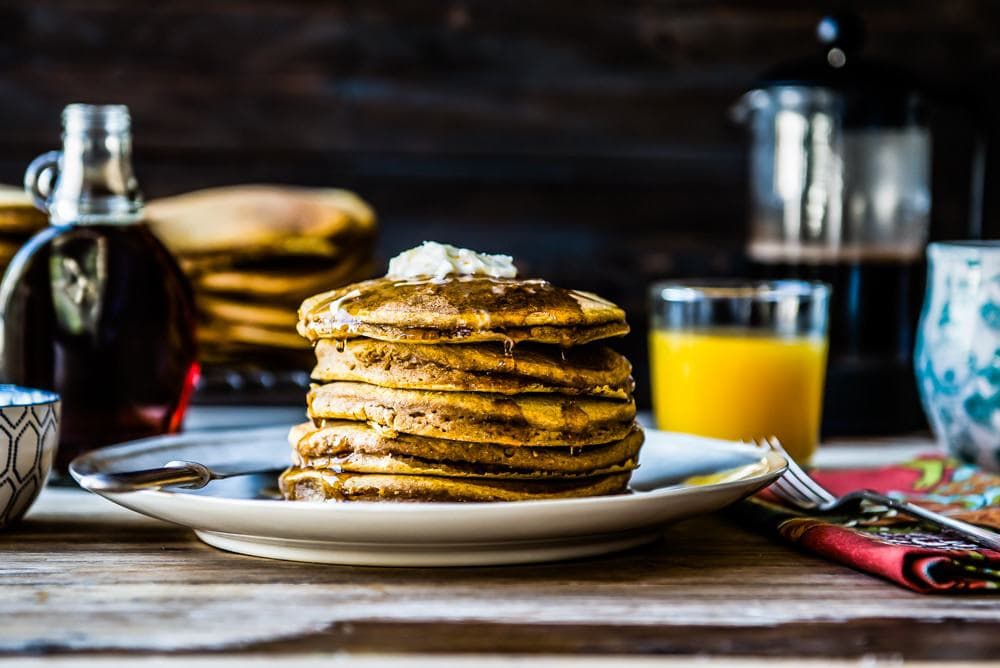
[[798, 488]]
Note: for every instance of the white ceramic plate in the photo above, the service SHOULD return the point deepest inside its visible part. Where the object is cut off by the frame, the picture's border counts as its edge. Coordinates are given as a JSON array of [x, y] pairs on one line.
[[243, 515]]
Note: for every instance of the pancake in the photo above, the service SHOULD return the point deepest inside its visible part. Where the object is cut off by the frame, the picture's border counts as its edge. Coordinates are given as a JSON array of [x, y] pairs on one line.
[[241, 311], [256, 335], [18, 215], [21, 224], [394, 465], [259, 219], [531, 419], [301, 251], [249, 357], [306, 257], [357, 447], [10, 245], [281, 283], [7, 253], [462, 309], [592, 370], [302, 484], [311, 258]]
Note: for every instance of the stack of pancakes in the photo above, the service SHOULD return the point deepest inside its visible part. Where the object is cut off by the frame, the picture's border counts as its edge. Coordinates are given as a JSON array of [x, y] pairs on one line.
[[19, 221], [253, 253], [467, 388]]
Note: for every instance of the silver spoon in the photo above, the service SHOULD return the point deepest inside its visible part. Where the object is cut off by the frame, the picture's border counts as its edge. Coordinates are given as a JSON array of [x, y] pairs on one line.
[[183, 474]]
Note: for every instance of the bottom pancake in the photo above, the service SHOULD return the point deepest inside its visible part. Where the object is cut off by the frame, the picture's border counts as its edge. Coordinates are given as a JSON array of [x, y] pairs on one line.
[[304, 484]]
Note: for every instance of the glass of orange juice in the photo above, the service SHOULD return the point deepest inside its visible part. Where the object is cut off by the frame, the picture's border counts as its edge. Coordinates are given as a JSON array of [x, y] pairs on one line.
[[739, 360]]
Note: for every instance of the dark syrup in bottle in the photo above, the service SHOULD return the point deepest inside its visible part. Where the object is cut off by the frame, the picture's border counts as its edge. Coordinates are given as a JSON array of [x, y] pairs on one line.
[[94, 307]]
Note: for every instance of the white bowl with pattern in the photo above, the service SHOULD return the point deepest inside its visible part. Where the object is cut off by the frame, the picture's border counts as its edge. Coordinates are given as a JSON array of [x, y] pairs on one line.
[[29, 435]]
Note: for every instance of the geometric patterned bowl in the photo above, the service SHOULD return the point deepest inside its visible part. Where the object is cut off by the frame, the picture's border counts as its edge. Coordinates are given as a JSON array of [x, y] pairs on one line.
[[29, 435]]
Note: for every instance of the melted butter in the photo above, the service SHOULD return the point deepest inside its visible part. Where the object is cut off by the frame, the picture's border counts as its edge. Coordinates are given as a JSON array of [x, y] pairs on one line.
[[584, 297], [340, 315]]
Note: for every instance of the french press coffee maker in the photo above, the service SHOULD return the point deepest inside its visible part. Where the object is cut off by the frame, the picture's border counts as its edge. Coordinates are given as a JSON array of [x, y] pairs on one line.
[[840, 173]]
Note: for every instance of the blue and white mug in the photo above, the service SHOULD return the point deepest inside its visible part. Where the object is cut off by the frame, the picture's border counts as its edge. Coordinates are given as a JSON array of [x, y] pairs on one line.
[[958, 349]]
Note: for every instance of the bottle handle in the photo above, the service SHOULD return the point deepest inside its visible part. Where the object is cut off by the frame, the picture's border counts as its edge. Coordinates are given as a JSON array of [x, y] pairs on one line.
[[40, 176]]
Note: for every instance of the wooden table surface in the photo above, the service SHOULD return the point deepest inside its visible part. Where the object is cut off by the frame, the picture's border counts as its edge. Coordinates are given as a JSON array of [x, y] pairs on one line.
[[83, 575]]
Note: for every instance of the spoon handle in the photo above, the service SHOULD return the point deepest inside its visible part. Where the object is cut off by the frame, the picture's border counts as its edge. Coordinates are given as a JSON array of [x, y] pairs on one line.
[[190, 475]]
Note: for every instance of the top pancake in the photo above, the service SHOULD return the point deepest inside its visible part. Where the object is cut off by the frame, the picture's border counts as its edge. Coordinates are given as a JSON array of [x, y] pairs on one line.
[[464, 309]]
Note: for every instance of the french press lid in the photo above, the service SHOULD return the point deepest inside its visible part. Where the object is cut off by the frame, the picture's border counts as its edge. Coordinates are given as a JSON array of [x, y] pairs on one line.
[[872, 93]]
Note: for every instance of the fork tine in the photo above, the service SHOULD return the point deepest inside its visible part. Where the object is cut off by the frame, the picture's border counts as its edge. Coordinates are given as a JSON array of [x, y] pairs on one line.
[[802, 491], [784, 490], [796, 474], [810, 487], [797, 484], [802, 487], [785, 487]]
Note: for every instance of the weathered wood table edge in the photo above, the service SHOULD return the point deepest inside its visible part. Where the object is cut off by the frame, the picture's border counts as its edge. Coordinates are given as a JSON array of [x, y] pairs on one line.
[[336, 659], [84, 577]]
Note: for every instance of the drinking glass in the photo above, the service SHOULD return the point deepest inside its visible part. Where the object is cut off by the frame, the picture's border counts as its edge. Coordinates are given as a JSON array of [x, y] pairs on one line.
[[740, 360]]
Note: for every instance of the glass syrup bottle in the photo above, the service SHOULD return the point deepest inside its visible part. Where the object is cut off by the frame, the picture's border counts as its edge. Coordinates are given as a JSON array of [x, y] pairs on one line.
[[94, 307]]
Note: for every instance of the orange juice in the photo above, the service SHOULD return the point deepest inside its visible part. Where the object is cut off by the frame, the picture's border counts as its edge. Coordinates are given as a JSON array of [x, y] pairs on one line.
[[739, 385]]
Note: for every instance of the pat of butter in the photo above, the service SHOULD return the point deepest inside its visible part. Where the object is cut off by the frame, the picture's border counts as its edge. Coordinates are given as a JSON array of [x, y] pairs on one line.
[[440, 260]]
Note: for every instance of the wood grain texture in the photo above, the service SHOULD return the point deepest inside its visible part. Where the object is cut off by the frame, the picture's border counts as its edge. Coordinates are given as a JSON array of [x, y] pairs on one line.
[[82, 575], [595, 95], [382, 660]]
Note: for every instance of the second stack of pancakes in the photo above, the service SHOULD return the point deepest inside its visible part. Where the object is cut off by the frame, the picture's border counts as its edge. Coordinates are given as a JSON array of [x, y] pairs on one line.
[[253, 253], [19, 220], [466, 388]]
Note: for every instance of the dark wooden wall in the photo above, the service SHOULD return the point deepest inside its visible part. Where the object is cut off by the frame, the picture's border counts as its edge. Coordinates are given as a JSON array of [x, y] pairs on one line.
[[588, 138]]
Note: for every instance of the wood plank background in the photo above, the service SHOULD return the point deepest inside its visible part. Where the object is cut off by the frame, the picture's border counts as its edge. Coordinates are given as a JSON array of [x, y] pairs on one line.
[[588, 138]]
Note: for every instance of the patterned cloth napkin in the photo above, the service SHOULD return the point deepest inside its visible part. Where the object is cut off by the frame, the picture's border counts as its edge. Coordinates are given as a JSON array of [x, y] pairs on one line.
[[896, 547]]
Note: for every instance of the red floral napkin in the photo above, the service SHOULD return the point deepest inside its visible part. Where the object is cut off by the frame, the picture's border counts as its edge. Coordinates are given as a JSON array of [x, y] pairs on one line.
[[896, 547]]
